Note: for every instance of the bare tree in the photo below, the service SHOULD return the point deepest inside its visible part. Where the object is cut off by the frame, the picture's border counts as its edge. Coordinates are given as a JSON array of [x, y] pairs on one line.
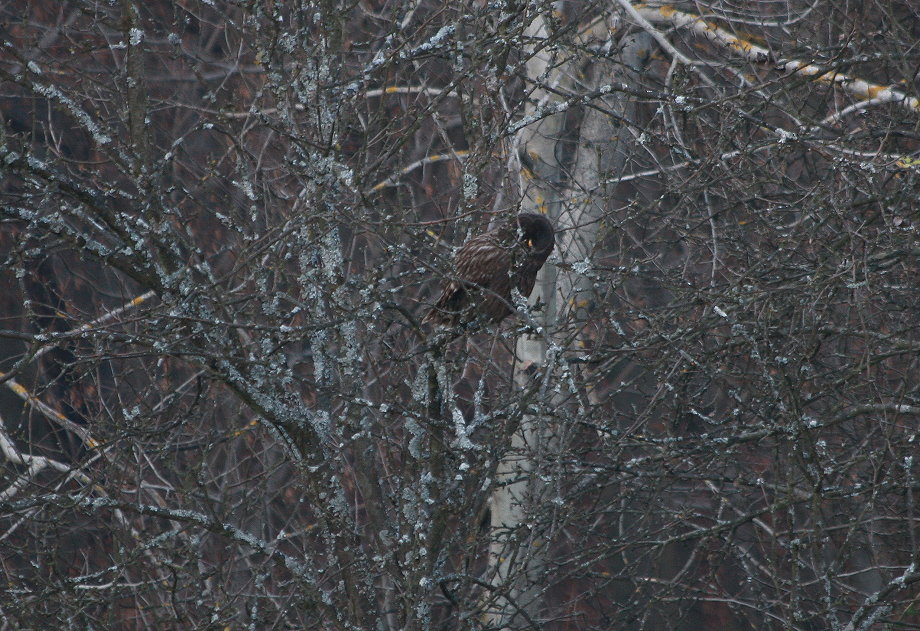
[[223, 223]]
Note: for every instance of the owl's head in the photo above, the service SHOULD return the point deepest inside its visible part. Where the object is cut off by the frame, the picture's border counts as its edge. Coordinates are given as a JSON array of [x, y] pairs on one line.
[[537, 234]]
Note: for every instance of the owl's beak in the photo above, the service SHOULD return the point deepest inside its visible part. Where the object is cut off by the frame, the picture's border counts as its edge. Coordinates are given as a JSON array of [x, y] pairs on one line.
[[529, 243]]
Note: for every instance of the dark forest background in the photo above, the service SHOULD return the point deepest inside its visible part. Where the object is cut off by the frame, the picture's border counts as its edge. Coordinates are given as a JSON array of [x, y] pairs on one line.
[[222, 221]]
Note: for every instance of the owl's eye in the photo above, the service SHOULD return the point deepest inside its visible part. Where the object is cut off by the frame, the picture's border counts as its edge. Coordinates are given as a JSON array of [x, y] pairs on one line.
[[529, 243]]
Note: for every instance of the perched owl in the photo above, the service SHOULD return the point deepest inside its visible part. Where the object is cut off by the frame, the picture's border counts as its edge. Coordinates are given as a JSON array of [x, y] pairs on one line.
[[488, 266]]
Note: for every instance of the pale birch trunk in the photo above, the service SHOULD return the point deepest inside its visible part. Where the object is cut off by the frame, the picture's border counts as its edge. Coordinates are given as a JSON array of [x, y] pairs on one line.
[[517, 551], [515, 563]]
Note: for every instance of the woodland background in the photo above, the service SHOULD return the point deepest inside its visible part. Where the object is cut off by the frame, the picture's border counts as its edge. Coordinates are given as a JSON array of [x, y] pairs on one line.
[[221, 222]]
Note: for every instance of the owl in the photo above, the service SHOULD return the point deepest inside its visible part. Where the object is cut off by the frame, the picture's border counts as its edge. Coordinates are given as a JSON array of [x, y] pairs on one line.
[[488, 266]]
